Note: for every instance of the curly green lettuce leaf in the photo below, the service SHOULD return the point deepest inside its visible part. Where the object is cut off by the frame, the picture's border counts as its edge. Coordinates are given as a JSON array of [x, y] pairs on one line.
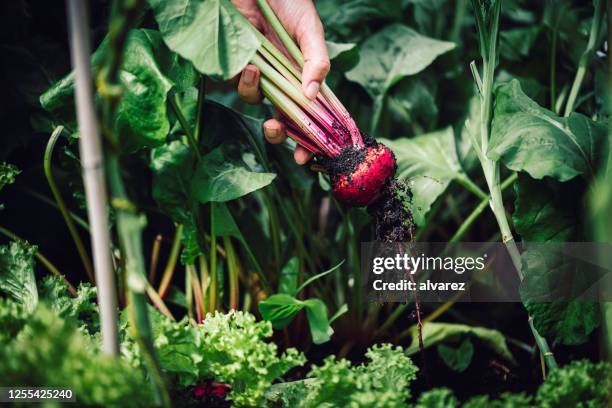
[[49, 351], [381, 382], [578, 384], [17, 273], [82, 309]]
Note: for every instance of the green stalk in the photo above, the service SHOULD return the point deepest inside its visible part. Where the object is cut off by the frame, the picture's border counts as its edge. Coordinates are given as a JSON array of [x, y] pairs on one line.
[[279, 29], [204, 276], [80, 221], [129, 221], [61, 205], [488, 38], [175, 105], [274, 231], [553, 67], [129, 227], [158, 302], [460, 7], [197, 293], [232, 268], [212, 292], [189, 295], [472, 187], [42, 259], [586, 57], [172, 259], [199, 127], [477, 211], [288, 86]]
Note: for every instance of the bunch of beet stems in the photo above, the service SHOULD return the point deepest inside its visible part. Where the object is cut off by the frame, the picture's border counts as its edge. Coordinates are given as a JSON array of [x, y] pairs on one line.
[[323, 125]]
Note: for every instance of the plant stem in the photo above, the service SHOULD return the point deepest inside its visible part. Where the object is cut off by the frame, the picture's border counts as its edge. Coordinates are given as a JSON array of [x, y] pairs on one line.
[[232, 268], [472, 187], [586, 56], [199, 127], [155, 257], [80, 221], [553, 67], [61, 205], [488, 38], [477, 211], [279, 29], [197, 293], [460, 7], [171, 264], [92, 163], [189, 294], [212, 290], [129, 221], [42, 259], [158, 302], [176, 108]]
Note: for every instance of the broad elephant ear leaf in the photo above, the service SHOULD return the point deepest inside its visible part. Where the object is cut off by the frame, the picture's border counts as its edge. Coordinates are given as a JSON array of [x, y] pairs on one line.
[[211, 34], [527, 137], [391, 54], [148, 72], [428, 163]]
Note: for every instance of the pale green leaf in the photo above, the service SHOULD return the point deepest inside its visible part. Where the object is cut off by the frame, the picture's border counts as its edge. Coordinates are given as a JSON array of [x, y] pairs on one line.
[[211, 34], [527, 137], [428, 163]]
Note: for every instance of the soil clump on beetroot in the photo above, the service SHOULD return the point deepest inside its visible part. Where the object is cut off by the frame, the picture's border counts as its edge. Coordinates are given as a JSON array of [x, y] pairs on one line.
[[394, 222]]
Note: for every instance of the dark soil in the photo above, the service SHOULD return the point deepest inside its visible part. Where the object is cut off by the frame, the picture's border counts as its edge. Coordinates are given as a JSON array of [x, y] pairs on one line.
[[349, 158], [394, 221]]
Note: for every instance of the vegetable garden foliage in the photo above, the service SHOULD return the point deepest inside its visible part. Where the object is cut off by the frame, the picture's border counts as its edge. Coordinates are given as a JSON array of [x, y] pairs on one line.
[[239, 302]]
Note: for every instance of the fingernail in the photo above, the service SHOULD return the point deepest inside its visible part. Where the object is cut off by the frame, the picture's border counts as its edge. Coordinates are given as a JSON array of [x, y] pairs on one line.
[[271, 132], [249, 76], [312, 89]]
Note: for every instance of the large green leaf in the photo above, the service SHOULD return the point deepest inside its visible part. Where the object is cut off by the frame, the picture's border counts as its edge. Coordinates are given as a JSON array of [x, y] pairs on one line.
[[544, 214], [280, 309], [392, 54], [527, 137], [147, 73], [173, 167], [548, 273], [17, 273], [220, 180], [543, 211], [343, 56], [349, 20], [211, 34], [435, 333], [428, 163]]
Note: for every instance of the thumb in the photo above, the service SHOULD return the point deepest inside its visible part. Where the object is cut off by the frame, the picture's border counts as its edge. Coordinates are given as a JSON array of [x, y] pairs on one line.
[[311, 40]]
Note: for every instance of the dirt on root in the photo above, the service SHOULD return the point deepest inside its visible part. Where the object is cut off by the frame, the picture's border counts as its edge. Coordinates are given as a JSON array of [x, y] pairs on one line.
[[394, 222], [349, 158]]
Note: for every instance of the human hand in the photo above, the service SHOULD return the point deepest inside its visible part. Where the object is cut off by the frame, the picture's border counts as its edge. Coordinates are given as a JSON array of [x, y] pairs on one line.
[[300, 19]]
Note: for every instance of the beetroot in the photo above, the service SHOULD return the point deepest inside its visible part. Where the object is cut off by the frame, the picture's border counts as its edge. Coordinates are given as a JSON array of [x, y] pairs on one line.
[[361, 174]]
